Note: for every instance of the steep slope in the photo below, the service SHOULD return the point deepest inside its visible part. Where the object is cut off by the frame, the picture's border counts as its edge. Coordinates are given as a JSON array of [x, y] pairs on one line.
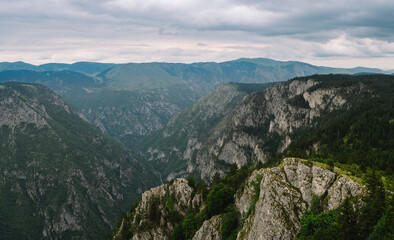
[[170, 147], [60, 177], [267, 122], [128, 115], [270, 203]]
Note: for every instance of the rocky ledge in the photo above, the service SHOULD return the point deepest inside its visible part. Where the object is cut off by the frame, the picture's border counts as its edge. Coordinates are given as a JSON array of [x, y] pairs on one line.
[[271, 202]]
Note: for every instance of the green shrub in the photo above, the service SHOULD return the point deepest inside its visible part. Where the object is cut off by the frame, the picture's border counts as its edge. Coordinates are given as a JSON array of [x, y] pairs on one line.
[[321, 226], [230, 223], [218, 198]]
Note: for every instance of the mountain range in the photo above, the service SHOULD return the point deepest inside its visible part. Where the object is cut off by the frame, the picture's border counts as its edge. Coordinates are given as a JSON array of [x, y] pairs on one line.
[[130, 101], [79, 143]]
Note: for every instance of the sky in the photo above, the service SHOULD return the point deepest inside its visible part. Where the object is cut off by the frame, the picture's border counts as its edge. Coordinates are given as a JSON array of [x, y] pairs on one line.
[[336, 33]]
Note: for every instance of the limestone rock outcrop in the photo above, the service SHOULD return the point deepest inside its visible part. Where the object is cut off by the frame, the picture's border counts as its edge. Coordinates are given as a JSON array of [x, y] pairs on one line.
[[271, 202], [286, 193]]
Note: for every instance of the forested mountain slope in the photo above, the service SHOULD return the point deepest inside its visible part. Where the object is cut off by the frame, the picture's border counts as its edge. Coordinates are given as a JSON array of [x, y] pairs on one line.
[[60, 177]]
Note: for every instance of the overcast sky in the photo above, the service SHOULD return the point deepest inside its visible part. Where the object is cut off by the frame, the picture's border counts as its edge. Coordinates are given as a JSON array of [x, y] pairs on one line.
[[339, 33]]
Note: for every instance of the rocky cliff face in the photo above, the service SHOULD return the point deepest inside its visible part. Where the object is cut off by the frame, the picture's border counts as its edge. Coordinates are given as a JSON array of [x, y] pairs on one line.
[[129, 114], [185, 132], [253, 131], [262, 124], [59, 176], [159, 211], [286, 193], [210, 230], [271, 202]]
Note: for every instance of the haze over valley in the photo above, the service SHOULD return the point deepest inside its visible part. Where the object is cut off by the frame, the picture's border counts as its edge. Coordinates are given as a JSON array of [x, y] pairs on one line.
[[202, 120]]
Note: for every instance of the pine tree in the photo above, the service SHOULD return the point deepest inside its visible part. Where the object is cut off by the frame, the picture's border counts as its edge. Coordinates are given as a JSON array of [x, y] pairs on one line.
[[374, 206], [348, 220], [216, 179]]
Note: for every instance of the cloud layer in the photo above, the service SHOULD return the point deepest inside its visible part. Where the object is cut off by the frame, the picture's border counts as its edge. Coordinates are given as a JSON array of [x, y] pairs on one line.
[[320, 32]]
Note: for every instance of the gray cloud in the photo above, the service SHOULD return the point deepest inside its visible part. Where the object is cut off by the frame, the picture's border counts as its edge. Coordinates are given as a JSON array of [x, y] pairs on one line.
[[138, 30]]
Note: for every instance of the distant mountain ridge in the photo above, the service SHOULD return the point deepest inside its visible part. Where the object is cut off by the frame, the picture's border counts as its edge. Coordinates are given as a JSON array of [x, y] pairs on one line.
[[94, 68], [90, 68], [60, 81], [133, 100]]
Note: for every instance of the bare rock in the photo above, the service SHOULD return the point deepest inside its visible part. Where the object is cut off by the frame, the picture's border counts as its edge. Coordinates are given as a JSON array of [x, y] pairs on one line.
[[210, 230]]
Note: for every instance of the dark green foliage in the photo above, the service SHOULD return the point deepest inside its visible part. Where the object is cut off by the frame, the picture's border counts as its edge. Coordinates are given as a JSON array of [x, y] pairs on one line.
[[361, 132], [298, 101], [174, 216], [233, 169], [202, 188], [218, 198], [216, 179], [191, 182], [315, 208], [178, 233], [230, 223], [355, 219], [384, 229], [189, 225], [347, 220], [17, 222], [332, 224], [316, 224], [319, 227], [236, 177], [375, 204], [330, 164]]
